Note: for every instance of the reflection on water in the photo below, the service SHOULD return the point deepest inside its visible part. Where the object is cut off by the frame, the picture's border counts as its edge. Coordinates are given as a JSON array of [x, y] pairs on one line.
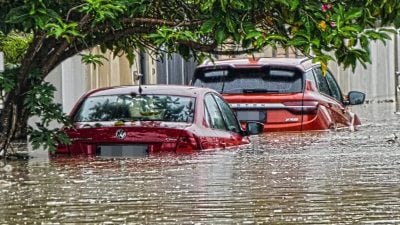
[[337, 177]]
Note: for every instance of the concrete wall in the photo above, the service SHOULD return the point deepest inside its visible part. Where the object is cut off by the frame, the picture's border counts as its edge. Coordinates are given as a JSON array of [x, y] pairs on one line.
[[73, 82], [73, 78], [113, 71]]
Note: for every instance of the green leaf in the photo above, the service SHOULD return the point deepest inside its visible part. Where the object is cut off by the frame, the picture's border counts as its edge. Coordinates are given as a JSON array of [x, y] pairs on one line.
[[17, 15], [95, 59], [253, 34], [220, 36], [223, 4], [353, 13], [208, 26], [230, 24], [294, 4]]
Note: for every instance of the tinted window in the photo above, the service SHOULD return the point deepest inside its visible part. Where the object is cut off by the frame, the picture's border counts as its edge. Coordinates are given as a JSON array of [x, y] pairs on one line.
[[334, 87], [251, 81], [322, 84], [310, 76], [131, 108], [214, 114], [228, 115]]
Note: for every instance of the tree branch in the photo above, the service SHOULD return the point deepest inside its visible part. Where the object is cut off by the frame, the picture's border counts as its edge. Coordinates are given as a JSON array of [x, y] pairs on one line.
[[31, 53], [78, 47], [153, 21], [53, 58]]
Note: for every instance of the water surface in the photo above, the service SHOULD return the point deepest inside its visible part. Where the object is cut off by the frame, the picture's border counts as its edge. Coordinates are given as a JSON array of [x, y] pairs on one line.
[[334, 177]]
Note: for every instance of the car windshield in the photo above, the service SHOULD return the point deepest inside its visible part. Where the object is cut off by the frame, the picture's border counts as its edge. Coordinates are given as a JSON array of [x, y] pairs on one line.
[[250, 81], [133, 108]]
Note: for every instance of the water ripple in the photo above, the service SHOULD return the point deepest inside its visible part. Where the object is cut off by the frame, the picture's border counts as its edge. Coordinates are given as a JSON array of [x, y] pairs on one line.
[[334, 177]]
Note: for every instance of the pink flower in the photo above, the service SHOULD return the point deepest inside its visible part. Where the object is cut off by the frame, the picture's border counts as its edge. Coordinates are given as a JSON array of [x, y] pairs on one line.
[[333, 24], [326, 7]]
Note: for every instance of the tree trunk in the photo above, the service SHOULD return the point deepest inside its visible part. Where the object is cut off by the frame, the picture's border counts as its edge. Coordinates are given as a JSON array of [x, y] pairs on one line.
[[8, 120], [13, 118], [21, 122]]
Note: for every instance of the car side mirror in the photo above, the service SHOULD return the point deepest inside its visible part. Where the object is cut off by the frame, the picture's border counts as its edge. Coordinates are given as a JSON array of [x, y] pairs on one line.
[[254, 127], [355, 98]]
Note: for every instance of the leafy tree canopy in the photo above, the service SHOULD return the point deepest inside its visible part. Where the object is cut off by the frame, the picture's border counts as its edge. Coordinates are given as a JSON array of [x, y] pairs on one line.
[[187, 26], [55, 30]]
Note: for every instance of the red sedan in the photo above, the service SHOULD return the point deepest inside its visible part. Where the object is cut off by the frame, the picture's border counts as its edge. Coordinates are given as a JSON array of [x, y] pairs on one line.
[[140, 120], [286, 94]]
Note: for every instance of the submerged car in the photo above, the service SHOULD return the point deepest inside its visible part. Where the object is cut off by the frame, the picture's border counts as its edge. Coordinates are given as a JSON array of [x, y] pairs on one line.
[[142, 120], [286, 94]]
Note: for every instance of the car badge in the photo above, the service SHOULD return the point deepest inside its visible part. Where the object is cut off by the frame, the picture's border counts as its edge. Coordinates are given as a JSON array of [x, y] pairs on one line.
[[120, 134], [294, 119]]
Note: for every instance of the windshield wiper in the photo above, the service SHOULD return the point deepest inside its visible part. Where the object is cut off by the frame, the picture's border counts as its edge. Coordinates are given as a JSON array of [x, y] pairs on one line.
[[259, 90]]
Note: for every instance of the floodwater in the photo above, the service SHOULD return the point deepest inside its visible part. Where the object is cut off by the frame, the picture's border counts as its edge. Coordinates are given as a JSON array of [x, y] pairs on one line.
[[335, 177]]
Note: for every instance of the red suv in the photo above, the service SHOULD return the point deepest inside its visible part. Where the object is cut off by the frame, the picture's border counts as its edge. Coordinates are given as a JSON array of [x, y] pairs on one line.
[[286, 94]]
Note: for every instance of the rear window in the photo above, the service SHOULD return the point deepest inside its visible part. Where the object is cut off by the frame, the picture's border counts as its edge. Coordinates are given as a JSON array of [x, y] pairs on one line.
[[133, 108], [237, 81]]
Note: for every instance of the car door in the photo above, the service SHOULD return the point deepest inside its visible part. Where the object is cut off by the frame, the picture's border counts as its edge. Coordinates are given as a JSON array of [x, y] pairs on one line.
[[218, 122], [328, 87], [232, 123]]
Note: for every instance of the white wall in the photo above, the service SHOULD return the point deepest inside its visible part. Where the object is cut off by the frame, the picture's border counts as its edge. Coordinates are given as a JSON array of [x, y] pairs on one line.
[[69, 81], [73, 82], [377, 80]]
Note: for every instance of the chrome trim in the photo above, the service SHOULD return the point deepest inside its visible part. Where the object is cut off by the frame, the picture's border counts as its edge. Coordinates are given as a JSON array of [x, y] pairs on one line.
[[81, 139], [265, 106], [170, 139], [257, 105]]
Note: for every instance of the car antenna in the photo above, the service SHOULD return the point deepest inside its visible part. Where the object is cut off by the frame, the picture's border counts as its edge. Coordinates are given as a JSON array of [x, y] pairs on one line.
[[138, 76]]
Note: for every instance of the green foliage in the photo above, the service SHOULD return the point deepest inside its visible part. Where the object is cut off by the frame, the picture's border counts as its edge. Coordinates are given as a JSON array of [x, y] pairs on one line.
[[103, 9], [31, 15], [41, 136], [14, 46], [7, 79], [190, 27], [60, 29], [95, 59], [39, 102]]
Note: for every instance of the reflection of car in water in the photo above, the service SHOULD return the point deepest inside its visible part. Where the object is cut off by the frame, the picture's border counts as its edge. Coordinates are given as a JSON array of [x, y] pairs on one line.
[[130, 121], [286, 94]]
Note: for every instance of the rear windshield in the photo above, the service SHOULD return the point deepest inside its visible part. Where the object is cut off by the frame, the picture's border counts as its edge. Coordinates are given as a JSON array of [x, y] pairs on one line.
[[250, 80], [133, 108]]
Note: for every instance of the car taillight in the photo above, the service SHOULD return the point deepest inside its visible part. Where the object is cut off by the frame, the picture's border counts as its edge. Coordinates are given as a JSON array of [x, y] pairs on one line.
[[61, 148], [305, 107], [186, 144]]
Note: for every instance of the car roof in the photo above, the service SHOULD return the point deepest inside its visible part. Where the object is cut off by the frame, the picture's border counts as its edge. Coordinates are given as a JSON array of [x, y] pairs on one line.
[[179, 90], [302, 63]]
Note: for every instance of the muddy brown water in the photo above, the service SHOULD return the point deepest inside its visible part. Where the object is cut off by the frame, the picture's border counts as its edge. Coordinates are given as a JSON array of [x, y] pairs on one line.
[[336, 177]]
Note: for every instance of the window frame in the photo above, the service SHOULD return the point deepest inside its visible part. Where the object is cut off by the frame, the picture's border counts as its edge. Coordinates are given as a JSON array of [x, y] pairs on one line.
[[224, 115], [317, 71], [207, 110]]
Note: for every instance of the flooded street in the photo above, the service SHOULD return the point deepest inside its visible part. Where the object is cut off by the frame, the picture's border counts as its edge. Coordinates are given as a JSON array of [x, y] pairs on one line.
[[335, 177]]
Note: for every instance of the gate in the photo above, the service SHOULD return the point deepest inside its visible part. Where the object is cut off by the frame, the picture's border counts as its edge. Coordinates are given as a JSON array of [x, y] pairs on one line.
[[175, 69]]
